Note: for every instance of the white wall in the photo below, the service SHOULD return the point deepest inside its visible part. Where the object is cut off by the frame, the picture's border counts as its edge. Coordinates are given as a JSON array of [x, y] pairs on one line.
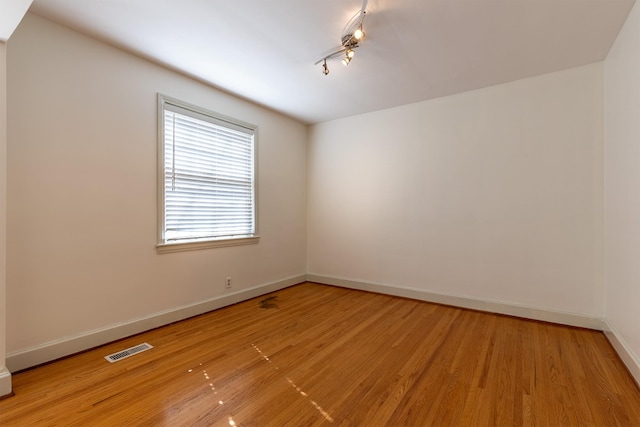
[[494, 194], [5, 378], [622, 189], [82, 191]]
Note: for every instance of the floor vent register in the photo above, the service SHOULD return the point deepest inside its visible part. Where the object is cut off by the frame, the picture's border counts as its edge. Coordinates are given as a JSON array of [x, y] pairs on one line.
[[128, 352]]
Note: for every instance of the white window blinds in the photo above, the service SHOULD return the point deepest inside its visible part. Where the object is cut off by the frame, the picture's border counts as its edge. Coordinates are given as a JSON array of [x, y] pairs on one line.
[[209, 185]]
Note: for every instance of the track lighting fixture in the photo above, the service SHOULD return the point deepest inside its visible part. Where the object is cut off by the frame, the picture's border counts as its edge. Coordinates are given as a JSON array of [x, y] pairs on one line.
[[351, 36]]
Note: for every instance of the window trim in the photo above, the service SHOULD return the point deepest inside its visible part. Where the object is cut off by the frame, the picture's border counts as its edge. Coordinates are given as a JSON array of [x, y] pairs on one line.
[[163, 246]]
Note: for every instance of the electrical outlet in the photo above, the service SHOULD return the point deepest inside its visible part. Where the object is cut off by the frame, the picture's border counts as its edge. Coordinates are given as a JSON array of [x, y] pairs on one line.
[[227, 282]]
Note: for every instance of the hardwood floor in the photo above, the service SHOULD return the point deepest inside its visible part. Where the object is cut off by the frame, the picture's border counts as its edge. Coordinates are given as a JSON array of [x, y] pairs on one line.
[[314, 355]]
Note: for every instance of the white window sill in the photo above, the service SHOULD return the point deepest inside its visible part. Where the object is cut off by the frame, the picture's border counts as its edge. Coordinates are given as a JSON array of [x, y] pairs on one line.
[[195, 245]]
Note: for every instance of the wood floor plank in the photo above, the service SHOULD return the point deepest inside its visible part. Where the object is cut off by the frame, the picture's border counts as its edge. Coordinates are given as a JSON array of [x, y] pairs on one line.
[[314, 355]]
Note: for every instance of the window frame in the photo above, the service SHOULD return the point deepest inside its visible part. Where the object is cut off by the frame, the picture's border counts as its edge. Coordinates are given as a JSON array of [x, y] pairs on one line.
[[162, 245]]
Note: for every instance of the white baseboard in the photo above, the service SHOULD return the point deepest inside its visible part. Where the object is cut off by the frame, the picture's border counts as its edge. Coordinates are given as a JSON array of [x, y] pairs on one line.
[[46, 352], [546, 315], [59, 348], [5, 382], [629, 358]]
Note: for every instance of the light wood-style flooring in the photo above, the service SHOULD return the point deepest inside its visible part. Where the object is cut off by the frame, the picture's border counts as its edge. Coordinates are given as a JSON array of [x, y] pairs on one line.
[[314, 355]]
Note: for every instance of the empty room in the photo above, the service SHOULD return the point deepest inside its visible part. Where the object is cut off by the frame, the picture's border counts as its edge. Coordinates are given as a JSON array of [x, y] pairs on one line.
[[314, 213]]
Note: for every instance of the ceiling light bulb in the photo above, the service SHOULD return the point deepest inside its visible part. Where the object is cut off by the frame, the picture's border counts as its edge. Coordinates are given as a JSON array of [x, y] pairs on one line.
[[350, 53], [358, 34], [325, 70], [345, 61]]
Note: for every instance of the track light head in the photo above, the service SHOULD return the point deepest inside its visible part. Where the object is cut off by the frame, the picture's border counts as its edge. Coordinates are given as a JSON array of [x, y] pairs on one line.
[[325, 69]]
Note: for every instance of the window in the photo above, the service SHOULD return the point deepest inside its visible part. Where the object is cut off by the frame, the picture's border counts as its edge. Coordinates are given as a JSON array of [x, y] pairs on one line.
[[206, 178]]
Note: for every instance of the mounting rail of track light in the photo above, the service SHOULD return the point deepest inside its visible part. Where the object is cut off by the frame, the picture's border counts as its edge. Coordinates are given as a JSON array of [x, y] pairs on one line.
[[352, 35]]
